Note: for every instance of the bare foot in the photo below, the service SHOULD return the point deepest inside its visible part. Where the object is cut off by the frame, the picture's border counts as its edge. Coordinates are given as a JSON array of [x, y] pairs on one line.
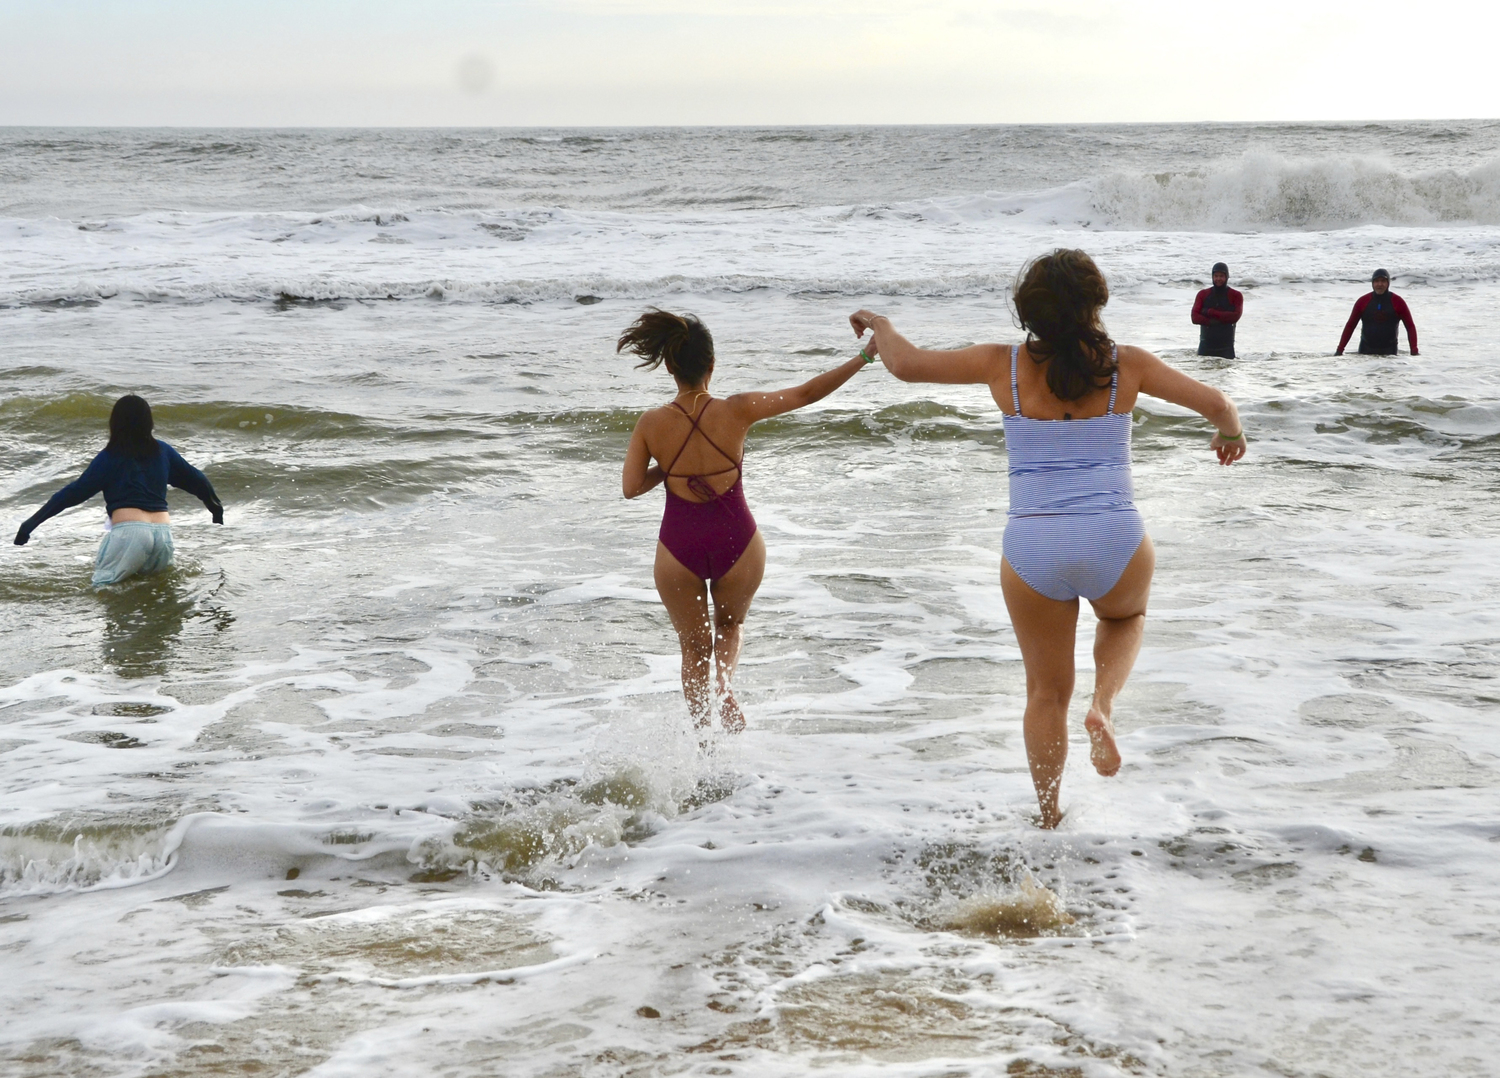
[[1048, 818], [731, 715], [1103, 751]]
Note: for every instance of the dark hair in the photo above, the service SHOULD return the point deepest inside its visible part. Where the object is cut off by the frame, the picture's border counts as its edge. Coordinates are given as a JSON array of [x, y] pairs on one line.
[[130, 426], [1057, 298], [680, 341]]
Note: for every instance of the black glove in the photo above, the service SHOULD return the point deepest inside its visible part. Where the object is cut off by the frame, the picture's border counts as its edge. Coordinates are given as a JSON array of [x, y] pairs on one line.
[[24, 535], [216, 509]]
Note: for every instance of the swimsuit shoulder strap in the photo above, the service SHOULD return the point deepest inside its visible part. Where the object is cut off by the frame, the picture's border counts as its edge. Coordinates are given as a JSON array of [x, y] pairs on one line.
[[1114, 379], [694, 421], [1015, 392]]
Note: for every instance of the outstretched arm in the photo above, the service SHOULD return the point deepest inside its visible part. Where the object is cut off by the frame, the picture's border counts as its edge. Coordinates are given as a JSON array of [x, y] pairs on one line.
[[958, 366], [83, 488], [1359, 309], [1170, 384], [640, 474], [753, 407], [184, 476]]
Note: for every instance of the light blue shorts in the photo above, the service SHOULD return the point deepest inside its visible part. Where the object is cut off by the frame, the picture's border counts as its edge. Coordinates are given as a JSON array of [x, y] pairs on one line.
[[1073, 554], [131, 549]]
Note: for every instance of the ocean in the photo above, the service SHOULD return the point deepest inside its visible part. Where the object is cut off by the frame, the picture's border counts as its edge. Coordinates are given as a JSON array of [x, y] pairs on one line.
[[391, 774]]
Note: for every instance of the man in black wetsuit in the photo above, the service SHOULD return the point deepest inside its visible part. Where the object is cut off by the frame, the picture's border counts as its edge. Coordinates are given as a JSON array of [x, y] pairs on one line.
[[1215, 312], [1380, 311]]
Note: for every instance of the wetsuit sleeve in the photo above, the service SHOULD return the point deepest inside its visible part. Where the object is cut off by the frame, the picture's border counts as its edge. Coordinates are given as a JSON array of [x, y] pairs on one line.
[[1411, 327], [184, 476], [1359, 309], [1237, 298], [1198, 308], [80, 490]]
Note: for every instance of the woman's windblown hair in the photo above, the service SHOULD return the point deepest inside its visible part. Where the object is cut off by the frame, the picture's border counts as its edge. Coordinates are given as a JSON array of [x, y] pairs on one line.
[[1057, 299], [680, 341], [130, 426]]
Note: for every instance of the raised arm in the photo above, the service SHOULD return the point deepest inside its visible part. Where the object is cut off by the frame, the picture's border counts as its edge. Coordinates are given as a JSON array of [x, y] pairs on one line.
[[753, 407], [958, 366], [1170, 384], [1359, 309]]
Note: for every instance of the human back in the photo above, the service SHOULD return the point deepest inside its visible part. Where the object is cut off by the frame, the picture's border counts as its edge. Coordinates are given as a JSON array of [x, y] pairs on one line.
[[1038, 401], [701, 442]]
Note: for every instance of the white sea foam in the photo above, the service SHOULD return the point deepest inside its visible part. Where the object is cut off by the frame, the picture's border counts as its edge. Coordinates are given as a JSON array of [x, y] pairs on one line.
[[392, 775]]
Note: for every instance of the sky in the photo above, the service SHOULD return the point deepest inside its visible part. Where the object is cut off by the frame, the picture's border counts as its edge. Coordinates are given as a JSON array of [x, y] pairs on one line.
[[647, 62]]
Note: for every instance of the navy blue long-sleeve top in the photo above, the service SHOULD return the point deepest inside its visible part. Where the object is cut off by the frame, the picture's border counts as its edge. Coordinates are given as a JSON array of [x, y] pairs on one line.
[[131, 483]]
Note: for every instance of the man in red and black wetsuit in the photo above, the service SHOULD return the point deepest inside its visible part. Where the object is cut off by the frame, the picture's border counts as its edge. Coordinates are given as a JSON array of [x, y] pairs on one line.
[[1380, 311], [1215, 312]]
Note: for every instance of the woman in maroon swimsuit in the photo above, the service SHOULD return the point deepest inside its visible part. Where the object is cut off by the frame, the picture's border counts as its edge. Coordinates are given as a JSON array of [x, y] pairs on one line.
[[708, 544]]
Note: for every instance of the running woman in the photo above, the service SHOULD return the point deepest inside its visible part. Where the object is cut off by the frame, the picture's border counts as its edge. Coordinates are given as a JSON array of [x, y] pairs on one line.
[[132, 471], [708, 545], [1067, 395]]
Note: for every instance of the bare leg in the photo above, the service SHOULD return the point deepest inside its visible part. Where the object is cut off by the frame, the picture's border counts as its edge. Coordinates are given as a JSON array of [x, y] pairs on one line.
[[1117, 642], [686, 599], [732, 594], [1046, 630]]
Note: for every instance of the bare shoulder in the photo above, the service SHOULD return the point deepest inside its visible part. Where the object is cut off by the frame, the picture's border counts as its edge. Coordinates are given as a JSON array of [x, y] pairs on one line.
[[995, 355], [746, 407], [1132, 356], [652, 419], [1137, 362]]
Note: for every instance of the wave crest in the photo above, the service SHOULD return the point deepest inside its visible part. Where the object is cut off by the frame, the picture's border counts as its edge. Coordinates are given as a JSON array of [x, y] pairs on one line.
[[1266, 191]]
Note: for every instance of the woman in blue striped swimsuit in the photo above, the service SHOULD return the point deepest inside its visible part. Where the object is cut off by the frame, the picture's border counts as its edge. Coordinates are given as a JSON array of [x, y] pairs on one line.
[[1074, 530]]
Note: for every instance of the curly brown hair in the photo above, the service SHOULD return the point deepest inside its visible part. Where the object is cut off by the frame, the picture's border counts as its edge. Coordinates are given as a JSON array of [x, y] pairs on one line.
[[680, 341], [1057, 299]]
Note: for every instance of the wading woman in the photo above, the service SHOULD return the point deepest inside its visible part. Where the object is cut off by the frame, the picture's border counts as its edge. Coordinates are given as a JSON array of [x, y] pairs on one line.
[[1067, 395], [708, 545], [132, 472]]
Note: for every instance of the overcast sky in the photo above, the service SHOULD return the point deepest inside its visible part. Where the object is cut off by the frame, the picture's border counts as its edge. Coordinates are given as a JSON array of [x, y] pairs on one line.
[[597, 62]]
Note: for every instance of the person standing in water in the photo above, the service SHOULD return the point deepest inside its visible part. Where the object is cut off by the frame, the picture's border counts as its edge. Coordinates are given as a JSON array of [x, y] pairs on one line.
[[1379, 310], [1067, 394], [709, 545], [1215, 312], [132, 471]]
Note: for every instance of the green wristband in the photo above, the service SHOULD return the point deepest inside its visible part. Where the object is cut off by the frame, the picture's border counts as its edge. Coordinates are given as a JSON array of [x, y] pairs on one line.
[[867, 359], [1232, 437]]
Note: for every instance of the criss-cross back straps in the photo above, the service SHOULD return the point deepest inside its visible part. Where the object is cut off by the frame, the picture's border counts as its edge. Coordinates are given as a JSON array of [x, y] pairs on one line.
[[1015, 392], [698, 482]]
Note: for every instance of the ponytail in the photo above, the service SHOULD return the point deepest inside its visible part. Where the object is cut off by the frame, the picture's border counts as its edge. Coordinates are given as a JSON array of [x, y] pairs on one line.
[[681, 342]]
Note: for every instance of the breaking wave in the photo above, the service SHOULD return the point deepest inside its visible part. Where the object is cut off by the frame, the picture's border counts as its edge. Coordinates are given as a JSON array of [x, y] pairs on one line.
[[1255, 192]]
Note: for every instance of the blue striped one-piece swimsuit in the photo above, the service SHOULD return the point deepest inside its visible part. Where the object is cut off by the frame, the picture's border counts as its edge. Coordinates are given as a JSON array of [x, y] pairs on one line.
[[1073, 525]]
